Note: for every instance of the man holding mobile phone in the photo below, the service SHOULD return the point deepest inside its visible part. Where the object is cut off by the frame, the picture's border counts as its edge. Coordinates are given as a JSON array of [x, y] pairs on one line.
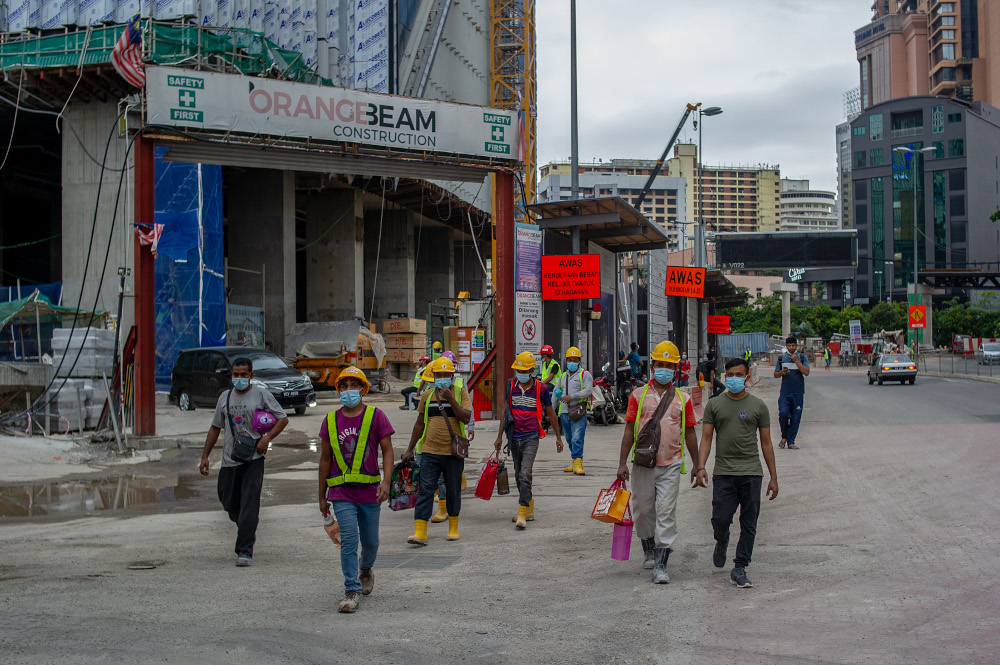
[[792, 368]]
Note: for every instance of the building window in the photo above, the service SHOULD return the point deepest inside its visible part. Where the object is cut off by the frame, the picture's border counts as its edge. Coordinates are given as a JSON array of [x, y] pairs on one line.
[[876, 157], [956, 180], [861, 190], [956, 148], [859, 131], [909, 123], [946, 52], [954, 117], [940, 229], [958, 257], [947, 20], [946, 8], [958, 231], [947, 34], [859, 159], [970, 28], [864, 82], [878, 237], [875, 126], [937, 119], [938, 149], [957, 206]]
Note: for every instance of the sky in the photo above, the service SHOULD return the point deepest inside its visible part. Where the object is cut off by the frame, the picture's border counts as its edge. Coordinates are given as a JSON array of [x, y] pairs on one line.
[[778, 69]]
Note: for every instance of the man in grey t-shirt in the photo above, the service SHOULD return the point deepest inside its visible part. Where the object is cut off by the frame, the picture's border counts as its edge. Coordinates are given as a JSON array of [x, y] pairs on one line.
[[240, 483]]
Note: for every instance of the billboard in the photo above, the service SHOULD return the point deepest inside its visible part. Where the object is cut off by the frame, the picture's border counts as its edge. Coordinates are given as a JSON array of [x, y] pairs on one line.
[[769, 251]]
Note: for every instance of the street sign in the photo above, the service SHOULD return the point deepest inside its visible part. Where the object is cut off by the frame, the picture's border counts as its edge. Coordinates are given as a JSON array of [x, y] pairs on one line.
[[855, 328], [571, 276], [718, 325], [685, 282], [918, 316], [528, 325]]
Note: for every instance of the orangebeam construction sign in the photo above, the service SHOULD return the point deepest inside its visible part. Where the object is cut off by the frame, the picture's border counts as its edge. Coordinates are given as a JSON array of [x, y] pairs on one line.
[[685, 282], [571, 276]]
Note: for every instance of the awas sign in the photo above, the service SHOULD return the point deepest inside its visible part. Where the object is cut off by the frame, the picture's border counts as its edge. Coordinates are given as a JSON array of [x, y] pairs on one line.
[[918, 316], [685, 282], [571, 276], [718, 325]]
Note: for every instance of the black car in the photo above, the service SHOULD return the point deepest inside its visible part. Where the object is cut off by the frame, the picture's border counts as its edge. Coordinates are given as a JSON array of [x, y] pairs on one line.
[[201, 375]]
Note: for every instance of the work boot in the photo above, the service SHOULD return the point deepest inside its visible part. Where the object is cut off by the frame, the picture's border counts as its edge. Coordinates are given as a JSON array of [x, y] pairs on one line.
[[349, 604], [419, 536], [519, 521], [739, 578], [442, 513], [719, 555], [464, 482], [571, 468], [578, 467], [529, 516], [367, 578], [660, 575], [648, 553], [452, 528]]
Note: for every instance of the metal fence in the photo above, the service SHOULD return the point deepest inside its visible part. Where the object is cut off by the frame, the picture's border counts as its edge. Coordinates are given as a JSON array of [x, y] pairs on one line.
[[957, 364]]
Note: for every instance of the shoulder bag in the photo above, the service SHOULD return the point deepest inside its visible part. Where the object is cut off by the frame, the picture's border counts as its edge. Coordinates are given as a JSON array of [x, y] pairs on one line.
[[647, 444], [459, 444], [579, 410], [243, 446]]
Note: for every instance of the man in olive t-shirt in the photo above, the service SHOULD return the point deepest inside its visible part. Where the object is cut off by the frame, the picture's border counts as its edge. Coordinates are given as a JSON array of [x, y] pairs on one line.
[[738, 417]]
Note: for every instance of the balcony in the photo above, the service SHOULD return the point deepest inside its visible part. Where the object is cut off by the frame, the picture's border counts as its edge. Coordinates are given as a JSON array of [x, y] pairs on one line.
[[907, 131]]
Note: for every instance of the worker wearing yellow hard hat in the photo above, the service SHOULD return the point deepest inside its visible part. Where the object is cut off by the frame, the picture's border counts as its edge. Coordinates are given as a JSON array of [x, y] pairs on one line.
[[573, 390], [431, 439], [658, 463], [525, 399], [436, 350]]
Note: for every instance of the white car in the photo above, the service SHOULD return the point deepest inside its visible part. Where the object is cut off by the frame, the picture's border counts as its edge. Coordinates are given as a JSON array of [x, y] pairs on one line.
[[988, 353]]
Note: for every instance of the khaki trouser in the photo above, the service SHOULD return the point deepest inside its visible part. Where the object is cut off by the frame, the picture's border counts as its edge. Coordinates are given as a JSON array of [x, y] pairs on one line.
[[654, 497]]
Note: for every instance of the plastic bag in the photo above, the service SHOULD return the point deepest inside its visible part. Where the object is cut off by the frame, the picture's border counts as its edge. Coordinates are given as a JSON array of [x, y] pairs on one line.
[[611, 503], [404, 485], [487, 479]]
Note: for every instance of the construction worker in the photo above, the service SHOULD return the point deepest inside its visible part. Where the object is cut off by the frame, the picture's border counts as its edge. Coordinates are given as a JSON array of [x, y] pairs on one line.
[[550, 370], [748, 355], [526, 398], [417, 387], [431, 437], [349, 480], [575, 386], [427, 385], [827, 357], [654, 490], [436, 351]]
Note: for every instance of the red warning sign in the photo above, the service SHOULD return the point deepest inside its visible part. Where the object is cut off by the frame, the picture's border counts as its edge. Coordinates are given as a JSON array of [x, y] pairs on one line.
[[918, 316], [718, 325], [685, 282], [571, 276]]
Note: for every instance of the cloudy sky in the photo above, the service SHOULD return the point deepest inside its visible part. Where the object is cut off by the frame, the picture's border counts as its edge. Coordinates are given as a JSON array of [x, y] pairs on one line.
[[778, 68]]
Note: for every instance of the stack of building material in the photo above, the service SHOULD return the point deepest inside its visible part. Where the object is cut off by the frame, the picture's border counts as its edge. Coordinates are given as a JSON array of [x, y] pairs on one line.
[[96, 348], [406, 342], [72, 405]]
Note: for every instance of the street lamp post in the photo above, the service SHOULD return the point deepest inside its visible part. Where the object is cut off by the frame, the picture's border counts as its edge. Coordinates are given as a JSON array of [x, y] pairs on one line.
[[916, 260], [701, 252]]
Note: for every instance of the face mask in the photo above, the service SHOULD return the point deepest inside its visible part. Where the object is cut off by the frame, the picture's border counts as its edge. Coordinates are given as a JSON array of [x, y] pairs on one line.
[[350, 398], [663, 376], [789, 351], [572, 367], [442, 383], [241, 384], [735, 384], [522, 376], [684, 357]]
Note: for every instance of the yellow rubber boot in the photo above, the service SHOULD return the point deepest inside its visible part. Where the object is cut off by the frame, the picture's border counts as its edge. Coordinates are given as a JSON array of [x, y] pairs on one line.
[[578, 467], [571, 468], [464, 483], [452, 528], [419, 536], [442, 513], [519, 521], [529, 516]]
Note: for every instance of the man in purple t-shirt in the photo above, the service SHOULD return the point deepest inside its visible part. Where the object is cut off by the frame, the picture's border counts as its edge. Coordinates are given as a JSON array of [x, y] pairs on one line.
[[352, 486]]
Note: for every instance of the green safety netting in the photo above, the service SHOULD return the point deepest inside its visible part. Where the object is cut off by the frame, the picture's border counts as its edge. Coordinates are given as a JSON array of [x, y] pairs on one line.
[[244, 50]]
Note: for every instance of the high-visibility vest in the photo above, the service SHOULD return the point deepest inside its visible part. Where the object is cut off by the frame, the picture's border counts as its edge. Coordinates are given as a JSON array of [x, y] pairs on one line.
[[638, 419], [354, 475], [550, 372], [538, 404], [565, 377], [747, 355], [417, 381], [427, 409]]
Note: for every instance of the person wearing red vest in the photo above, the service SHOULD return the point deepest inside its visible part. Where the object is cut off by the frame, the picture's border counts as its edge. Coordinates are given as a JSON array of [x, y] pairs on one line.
[[526, 398], [349, 480]]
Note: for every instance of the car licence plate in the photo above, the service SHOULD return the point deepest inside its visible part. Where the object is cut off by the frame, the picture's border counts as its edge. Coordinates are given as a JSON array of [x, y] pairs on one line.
[[289, 393]]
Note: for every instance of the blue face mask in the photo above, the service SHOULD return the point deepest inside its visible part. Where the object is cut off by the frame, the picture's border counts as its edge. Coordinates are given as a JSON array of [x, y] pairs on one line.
[[663, 375], [735, 384], [522, 376], [572, 367], [442, 383], [241, 384], [350, 398]]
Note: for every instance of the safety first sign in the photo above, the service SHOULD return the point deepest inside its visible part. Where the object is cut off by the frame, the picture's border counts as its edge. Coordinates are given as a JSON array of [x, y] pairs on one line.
[[685, 282], [571, 276], [918, 316]]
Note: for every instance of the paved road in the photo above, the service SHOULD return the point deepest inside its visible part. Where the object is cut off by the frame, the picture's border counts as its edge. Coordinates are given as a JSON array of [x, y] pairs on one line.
[[882, 547]]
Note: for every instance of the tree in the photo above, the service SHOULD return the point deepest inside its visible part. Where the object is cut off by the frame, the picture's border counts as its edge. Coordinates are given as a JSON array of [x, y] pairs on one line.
[[885, 316]]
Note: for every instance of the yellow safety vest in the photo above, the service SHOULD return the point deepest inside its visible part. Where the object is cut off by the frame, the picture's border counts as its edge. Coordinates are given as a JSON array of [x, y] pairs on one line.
[[548, 372], [354, 475], [427, 408], [566, 389], [747, 355], [638, 418]]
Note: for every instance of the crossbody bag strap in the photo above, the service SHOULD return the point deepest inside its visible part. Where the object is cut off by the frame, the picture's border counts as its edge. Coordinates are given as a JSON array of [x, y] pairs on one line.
[[447, 420]]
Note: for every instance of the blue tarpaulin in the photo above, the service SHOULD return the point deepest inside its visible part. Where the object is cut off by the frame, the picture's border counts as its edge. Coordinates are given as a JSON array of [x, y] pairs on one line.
[[52, 292], [190, 293]]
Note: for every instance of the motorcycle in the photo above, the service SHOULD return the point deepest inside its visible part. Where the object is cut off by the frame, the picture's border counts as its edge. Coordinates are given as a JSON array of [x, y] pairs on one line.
[[603, 406]]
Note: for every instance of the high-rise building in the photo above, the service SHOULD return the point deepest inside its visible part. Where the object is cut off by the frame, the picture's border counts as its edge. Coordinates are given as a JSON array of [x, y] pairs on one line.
[[805, 209], [843, 205], [930, 47]]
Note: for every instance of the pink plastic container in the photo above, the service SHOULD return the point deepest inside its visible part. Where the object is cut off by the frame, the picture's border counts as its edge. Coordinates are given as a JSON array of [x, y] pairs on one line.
[[621, 541]]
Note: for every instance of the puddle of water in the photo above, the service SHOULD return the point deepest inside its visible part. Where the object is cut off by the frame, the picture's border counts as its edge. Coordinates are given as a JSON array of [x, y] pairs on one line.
[[81, 497], [296, 441]]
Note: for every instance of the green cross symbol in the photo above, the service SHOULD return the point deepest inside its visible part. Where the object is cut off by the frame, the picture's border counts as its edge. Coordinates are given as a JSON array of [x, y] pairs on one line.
[[497, 133], [186, 98]]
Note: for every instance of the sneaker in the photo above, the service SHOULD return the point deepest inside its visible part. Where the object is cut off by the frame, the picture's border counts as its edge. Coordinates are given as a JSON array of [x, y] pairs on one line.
[[739, 578], [367, 581], [719, 555], [349, 604], [244, 560]]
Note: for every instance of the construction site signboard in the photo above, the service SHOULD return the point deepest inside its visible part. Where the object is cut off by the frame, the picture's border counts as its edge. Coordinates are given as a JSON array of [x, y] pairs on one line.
[[571, 276], [269, 107], [685, 282], [718, 325], [918, 316], [528, 326]]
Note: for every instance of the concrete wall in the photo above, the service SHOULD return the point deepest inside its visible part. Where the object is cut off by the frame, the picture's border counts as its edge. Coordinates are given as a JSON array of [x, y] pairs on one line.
[[389, 265], [335, 263]]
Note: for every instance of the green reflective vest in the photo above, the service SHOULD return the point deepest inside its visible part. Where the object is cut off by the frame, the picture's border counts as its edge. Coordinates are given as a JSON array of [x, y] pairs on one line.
[[565, 389], [638, 417], [747, 355], [551, 371], [427, 407], [354, 475]]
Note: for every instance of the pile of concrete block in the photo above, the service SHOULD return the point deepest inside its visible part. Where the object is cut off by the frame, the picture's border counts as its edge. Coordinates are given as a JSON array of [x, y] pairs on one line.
[[74, 406], [97, 355]]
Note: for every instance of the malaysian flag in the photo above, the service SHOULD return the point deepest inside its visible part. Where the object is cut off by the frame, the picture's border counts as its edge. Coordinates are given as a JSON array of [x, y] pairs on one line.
[[149, 237], [127, 54]]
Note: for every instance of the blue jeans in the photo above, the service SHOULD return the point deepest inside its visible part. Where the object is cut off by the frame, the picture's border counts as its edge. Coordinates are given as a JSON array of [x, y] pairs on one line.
[[357, 521], [574, 431], [790, 415], [432, 469], [441, 487]]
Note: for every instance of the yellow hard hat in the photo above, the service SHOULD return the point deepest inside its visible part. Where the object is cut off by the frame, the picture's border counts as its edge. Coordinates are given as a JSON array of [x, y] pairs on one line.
[[354, 373], [524, 361], [443, 365], [573, 352], [666, 352], [428, 374], [437, 346]]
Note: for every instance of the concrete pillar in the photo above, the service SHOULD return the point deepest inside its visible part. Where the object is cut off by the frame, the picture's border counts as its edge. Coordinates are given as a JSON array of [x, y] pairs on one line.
[[335, 262], [435, 267], [261, 232], [389, 265], [786, 291]]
